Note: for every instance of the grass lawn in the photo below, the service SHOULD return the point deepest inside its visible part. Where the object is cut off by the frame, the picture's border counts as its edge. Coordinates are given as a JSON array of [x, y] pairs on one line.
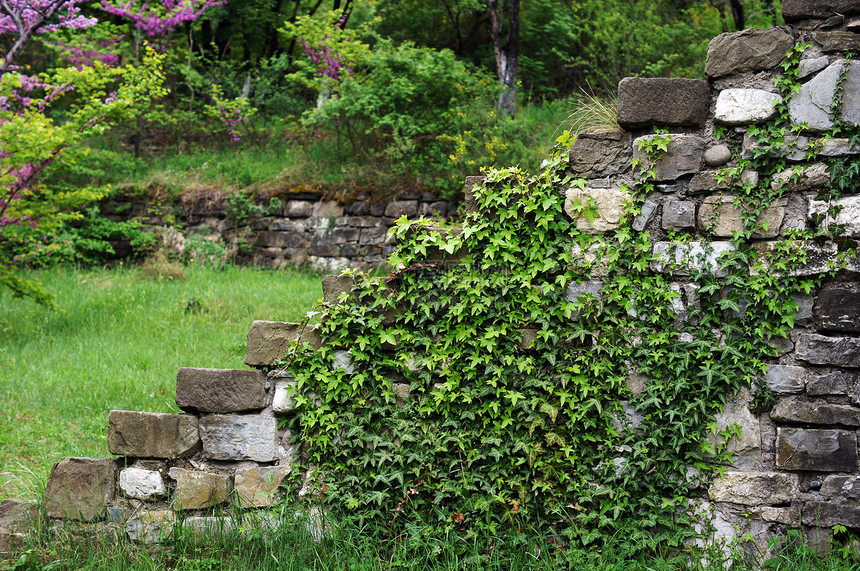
[[116, 343]]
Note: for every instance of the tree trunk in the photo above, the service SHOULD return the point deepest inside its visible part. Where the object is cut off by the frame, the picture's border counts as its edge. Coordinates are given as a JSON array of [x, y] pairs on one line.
[[507, 53], [738, 14]]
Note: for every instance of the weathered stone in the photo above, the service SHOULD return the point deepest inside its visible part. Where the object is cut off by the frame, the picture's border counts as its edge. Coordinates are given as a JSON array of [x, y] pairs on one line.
[[683, 156], [746, 446], [327, 209], [819, 258], [343, 361], [850, 107], [831, 384], [706, 181], [646, 214], [793, 10], [795, 149], [151, 527], [838, 147], [401, 391], [196, 490], [682, 257], [671, 188], [258, 487], [853, 24], [151, 434], [841, 487], [608, 203], [575, 291], [815, 412], [280, 239], [805, 304], [298, 209], [678, 214], [334, 286], [596, 155], [811, 104], [239, 437], [785, 379], [80, 488], [838, 307], [816, 450], [719, 216], [282, 402], [210, 525], [848, 216], [749, 50], [142, 484], [17, 519], [821, 350], [745, 106], [398, 208], [807, 67], [837, 41], [268, 341], [754, 488], [805, 178], [469, 186], [220, 390], [718, 155], [673, 102], [826, 514]]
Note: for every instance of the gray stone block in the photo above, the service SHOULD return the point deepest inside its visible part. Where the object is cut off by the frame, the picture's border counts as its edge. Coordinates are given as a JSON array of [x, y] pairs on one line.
[[142, 484], [785, 379], [816, 450], [673, 102], [469, 192], [848, 216], [80, 488], [257, 487], [841, 487], [596, 155], [683, 257], [835, 351], [754, 488], [398, 208], [268, 341], [795, 410], [706, 181], [152, 435], [649, 208], [196, 490], [334, 285], [749, 50], [793, 10], [830, 384], [684, 156], [807, 67], [838, 307], [239, 437], [837, 41], [678, 214], [609, 204], [151, 527], [826, 514], [718, 155], [811, 104], [220, 390], [719, 216], [745, 106]]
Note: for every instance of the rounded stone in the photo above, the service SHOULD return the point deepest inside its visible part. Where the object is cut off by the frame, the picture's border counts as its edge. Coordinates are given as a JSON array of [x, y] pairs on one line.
[[717, 155]]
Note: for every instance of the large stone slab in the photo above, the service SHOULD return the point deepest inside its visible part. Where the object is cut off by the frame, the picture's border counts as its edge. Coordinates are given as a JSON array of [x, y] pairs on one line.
[[196, 490], [809, 177], [837, 41], [142, 484], [830, 384], [816, 450], [838, 307], [785, 379], [268, 341], [793, 10], [150, 527], [607, 205], [220, 390], [749, 50], [811, 104], [848, 216], [681, 258], [643, 102], [17, 520], [754, 488], [683, 156], [598, 155], [850, 107], [258, 487], [151, 434], [796, 410], [719, 216], [821, 350], [745, 447], [239, 437], [80, 488], [826, 514], [844, 488], [745, 106]]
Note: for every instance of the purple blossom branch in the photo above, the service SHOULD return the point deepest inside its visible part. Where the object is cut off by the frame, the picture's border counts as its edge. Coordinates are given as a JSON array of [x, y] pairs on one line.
[[160, 21]]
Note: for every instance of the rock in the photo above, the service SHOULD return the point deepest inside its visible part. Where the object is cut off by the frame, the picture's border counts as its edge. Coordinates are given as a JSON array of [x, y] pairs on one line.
[[825, 514], [576, 290], [678, 214], [719, 216], [327, 209], [749, 50], [469, 186], [596, 155], [649, 208], [838, 307], [142, 484], [298, 209], [341, 360], [282, 402], [785, 379], [151, 527], [745, 106], [831, 384], [682, 257], [812, 176], [683, 156], [804, 304], [745, 447], [754, 488], [838, 147], [807, 67], [239, 437], [608, 203], [718, 155], [811, 104], [795, 148], [220, 390], [398, 208], [152, 435], [268, 341], [821, 350], [210, 525], [401, 391], [335, 286], [816, 412], [816, 450], [851, 92], [80, 488], [643, 102], [706, 181], [837, 41], [196, 490], [793, 10], [848, 216], [845, 488], [671, 188], [17, 519], [258, 487]]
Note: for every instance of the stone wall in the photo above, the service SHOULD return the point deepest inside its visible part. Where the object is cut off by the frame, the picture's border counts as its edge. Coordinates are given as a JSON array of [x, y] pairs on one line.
[[795, 466]]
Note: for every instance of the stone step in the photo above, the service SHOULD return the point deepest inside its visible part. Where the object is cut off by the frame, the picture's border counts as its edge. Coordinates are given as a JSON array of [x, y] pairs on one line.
[[221, 390]]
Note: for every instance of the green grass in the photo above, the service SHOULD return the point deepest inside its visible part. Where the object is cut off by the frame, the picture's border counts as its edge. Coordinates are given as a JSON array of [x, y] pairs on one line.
[[116, 343]]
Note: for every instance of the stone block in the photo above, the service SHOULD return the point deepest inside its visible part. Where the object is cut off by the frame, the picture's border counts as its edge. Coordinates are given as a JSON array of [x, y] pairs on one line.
[[846, 488], [258, 487], [327, 209], [793, 10], [838, 147], [142, 484], [608, 202], [706, 181], [268, 341], [746, 446], [807, 67], [838, 307], [681, 258], [597, 155], [816, 450], [375, 235], [754, 488], [678, 214], [835, 351], [745, 106], [298, 209], [683, 156], [575, 290], [469, 186], [811, 104], [805, 178], [749, 50], [837, 41], [80, 488], [334, 286], [785, 379], [717, 155], [151, 527], [220, 390], [831, 384], [280, 239], [210, 525], [283, 403], [152, 435], [398, 208], [646, 214], [850, 107], [196, 490], [795, 410], [17, 519], [672, 102], [826, 514], [848, 216], [239, 437]]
